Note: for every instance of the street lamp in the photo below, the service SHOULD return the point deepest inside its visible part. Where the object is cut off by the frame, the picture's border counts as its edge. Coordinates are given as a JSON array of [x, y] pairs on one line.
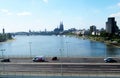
[[67, 47], [61, 62], [105, 51], [2, 50], [30, 48]]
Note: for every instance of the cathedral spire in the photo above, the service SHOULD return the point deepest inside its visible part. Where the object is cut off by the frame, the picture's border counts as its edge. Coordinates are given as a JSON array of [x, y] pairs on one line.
[[3, 31], [61, 26]]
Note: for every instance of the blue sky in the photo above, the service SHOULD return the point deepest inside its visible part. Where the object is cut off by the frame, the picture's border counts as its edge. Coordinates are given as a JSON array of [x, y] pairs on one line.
[[22, 15]]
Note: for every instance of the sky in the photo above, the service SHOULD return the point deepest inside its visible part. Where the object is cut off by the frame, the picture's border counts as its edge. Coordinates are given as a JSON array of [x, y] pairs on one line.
[[38, 15]]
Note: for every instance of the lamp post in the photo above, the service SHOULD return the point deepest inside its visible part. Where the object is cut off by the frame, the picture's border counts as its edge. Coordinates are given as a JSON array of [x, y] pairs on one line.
[[2, 50], [30, 49], [105, 51], [61, 62], [67, 47]]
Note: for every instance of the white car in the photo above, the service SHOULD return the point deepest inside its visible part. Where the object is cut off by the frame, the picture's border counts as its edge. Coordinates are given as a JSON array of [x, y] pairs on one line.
[[39, 59]]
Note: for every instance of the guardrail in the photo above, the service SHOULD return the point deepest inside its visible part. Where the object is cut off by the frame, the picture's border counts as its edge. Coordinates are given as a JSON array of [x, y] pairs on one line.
[[57, 75]]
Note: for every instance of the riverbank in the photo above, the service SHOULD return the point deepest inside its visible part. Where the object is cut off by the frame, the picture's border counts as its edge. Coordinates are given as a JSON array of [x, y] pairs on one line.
[[102, 39], [4, 37]]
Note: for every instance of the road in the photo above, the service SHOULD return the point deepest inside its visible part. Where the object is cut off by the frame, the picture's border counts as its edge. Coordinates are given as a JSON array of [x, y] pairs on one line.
[[64, 66], [65, 60], [61, 67]]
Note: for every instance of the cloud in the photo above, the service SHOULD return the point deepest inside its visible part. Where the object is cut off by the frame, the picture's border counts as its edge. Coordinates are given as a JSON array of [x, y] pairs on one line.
[[117, 15], [118, 4], [9, 13], [5, 11], [46, 1], [115, 6], [24, 14]]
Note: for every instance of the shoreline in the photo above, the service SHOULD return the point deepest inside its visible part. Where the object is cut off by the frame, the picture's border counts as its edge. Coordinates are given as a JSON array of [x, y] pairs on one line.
[[99, 39], [9, 40]]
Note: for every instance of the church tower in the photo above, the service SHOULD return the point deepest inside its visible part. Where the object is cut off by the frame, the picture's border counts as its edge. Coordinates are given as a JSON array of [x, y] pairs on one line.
[[61, 26], [3, 31]]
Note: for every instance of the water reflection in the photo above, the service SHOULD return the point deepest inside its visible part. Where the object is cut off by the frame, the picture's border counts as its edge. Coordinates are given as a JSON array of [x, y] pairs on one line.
[[112, 51], [50, 45]]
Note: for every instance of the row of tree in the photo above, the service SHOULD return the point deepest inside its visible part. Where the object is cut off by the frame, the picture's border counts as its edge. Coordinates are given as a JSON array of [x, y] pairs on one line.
[[5, 37]]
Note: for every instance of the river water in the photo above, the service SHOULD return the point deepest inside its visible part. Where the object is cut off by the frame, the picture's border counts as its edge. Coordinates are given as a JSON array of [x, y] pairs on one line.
[[25, 46]]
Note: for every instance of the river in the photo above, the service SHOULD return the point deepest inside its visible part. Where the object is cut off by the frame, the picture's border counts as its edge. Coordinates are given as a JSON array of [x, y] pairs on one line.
[[25, 46]]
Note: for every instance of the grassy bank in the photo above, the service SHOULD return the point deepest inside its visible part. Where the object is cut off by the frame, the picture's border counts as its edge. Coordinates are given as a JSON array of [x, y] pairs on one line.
[[113, 42]]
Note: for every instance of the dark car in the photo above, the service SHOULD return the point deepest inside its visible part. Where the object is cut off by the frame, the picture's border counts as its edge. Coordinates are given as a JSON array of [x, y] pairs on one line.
[[54, 58], [5, 60], [110, 60]]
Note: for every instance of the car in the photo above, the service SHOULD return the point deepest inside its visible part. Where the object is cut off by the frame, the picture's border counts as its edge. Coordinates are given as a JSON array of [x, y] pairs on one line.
[[110, 60], [54, 58], [39, 59], [5, 60]]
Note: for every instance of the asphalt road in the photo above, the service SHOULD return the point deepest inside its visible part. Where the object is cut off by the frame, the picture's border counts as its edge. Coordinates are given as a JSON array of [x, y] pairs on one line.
[[60, 67], [68, 66], [65, 60]]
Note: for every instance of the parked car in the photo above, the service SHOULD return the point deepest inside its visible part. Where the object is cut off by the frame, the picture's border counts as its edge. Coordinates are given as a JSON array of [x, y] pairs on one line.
[[110, 60], [39, 59], [5, 60]]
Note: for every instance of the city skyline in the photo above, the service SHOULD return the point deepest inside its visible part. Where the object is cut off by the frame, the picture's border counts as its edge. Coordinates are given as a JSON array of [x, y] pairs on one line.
[[38, 15]]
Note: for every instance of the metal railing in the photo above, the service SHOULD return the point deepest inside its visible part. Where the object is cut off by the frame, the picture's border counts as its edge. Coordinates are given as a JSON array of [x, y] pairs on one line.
[[57, 75]]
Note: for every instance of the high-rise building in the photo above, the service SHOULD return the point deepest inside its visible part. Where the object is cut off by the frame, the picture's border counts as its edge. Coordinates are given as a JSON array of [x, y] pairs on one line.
[[111, 26], [93, 29]]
